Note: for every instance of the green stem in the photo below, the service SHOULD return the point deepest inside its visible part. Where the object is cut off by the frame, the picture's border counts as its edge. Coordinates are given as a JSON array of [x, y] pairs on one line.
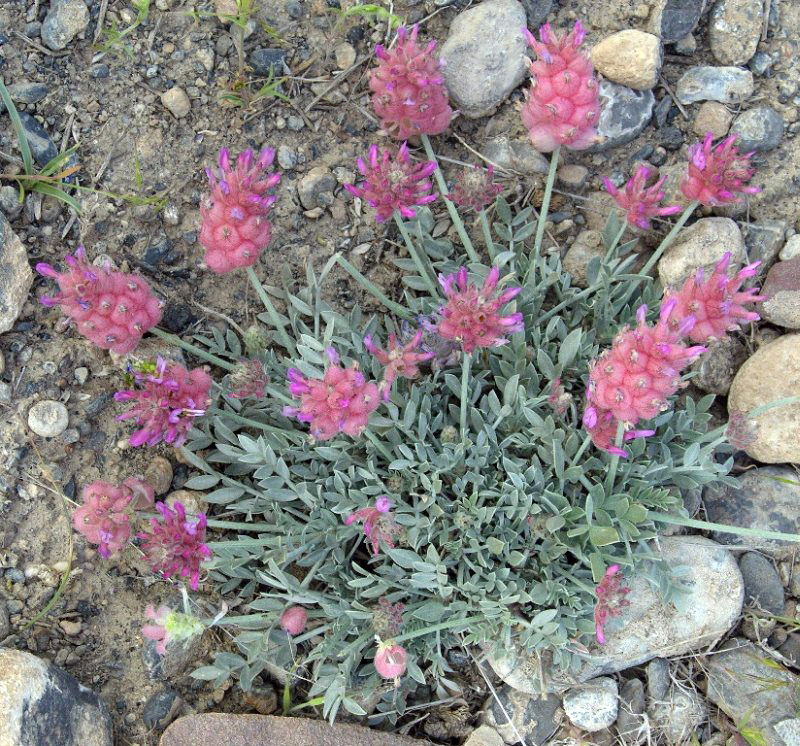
[[273, 314], [612, 468], [237, 526], [451, 208], [373, 289], [677, 520], [196, 351], [374, 440], [412, 250], [487, 235], [670, 237], [251, 423], [548, 193], [467, 623], [466, 364]]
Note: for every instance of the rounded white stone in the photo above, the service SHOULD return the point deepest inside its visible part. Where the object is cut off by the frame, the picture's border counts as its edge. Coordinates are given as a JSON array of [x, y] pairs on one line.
[[48, 418]]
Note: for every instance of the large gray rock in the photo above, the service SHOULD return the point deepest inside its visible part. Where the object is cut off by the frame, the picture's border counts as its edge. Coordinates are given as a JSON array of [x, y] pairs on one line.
[[649, 627], [515, 155], [16, 276], [631, 58], [623, 116], [763, 241], [41, 705], [772, 373], [717, 366], [484, 56], [782, 288], [702, 244], [674, 20], [734, 28], [742, 683], [767, 499], [593, 706], [678, 714], [762, 584], [631, 725], [64, 21], [760, 128], [728, 85], [518, 716]]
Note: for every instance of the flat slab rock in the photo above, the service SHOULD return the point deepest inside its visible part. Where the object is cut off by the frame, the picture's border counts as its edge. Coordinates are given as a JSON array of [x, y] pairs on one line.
[[650, 628], [16, 276], [218, 729]]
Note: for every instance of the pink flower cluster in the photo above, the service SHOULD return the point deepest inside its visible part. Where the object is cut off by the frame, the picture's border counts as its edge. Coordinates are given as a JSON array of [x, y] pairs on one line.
[[111, 309], [408, 88], [340, 402], [379, 526], [393, 183], [400, 360], [165, 403], [563, 107], [640, 202], [104, 518], [174, 545], [717, 174], [391, 660], [235, 227], [293, 620], [471, 316], [634, 379], [611, 599], [475, 188]]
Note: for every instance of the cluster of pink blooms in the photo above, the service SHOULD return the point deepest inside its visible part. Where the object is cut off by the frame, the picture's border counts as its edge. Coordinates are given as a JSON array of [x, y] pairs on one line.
[[393, 183], [640, 202], [379, 525], [235, 226], [717, 175], [611, 598], [340, 402], [111, 309], [104, 518], [471, 316], [408, 92], [475, 188], [633, 380], [174, 545], [248, 379], [399, 360], [563, 107], [293, 620], [165, 403]]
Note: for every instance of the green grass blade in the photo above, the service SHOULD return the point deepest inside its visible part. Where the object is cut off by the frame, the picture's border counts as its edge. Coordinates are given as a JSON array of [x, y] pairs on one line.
[[54, 164], [54, 191], [22, 140]]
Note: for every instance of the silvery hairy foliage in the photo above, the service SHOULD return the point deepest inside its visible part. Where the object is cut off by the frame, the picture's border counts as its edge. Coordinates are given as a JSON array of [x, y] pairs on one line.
[[505, 531]]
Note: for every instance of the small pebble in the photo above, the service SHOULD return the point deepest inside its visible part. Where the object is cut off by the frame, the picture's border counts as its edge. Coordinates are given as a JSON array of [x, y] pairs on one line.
[[176, 101], [81, 375], [345, 55], [70, 627], [48, 418]]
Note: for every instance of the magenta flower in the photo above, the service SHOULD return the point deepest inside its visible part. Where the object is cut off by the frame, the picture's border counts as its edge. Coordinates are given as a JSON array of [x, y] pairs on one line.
[[235, 227], [378, 523], [394, 183], [408, 92], [104, 517], [611, 598], [475, 188], [717, 175], [563, 106], [174, 545], [248, 380], [111, 309], [471, 316], [602, 428], [717, 304], [166, 403], [400, 360], [340, 402], [640, 202]]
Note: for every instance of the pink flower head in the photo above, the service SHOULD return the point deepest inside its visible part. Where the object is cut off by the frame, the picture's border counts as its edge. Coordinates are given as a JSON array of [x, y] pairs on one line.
[[563, 107], [400, 360], [642, 369], [602, 428], [471, 316], [408, 92], [387, 618], [611, 598], [391, 660], [174, 544], [475, 188], [165, 403], [717, 303], [717, 175], [393, 183], [169, 626], [340, 402], [235, 227], [111, 309], [378, 523], [104, 517], [248, 379], [640, 202], [293, 620]]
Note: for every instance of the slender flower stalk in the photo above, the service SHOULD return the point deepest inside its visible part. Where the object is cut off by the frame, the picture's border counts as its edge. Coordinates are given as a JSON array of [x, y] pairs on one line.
[[640, 202]]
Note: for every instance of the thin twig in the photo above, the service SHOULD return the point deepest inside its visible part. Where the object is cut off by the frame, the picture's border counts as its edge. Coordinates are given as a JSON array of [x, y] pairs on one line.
[[38, 47], [212, 312], [765, 27], [673, 96], [337, 81], [101, 17]]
